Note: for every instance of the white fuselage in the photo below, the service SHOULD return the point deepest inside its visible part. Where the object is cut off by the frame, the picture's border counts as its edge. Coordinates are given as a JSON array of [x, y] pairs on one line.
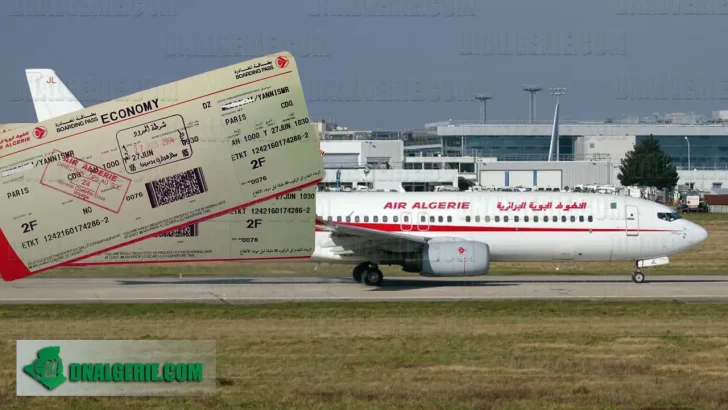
[[517, 226]]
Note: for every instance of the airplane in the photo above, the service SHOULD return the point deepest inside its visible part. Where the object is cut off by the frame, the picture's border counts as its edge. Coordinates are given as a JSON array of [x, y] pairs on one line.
[[458, 234]]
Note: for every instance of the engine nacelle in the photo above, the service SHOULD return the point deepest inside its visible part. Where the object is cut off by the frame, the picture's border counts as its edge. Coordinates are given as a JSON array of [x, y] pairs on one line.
[[455, 257]]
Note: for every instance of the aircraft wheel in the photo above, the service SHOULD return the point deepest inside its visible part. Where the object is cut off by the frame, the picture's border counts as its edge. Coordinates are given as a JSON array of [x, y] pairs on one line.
[[638, 277], [373, 277], [359, 270]]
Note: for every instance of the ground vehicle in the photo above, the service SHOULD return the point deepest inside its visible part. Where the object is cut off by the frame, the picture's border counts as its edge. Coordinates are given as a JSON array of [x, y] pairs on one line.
[[694, 202]]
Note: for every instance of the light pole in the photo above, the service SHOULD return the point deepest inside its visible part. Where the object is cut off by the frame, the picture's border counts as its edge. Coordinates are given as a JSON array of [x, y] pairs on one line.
[[366, 176], [483, 98], [688, 141], [558, 92], [531, 90]]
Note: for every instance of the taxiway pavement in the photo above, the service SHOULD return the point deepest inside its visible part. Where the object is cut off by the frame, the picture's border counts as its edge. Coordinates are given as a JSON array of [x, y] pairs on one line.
[[278, 289]]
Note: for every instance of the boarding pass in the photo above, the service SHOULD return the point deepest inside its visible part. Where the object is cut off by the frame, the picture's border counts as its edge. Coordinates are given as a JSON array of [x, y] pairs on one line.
[[138, 166]]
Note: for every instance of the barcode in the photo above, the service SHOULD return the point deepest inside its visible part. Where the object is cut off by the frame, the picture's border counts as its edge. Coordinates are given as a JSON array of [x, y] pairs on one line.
[[185, 231], [176, 187]]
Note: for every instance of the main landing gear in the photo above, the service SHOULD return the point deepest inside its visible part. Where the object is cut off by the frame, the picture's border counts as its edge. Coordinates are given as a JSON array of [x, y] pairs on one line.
[[368, 274], [637, 275]]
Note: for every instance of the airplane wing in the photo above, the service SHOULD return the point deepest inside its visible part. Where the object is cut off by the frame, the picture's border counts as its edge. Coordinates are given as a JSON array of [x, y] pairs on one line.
[[357, 241]]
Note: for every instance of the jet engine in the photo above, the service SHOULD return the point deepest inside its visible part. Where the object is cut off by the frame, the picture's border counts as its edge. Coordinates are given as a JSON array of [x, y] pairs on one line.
[[451, 257]]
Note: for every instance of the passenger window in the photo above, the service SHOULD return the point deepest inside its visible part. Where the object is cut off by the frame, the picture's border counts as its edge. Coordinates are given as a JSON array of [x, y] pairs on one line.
[[497, 218], [406, 218], [375, 218], [477, 218], [515, 218], [356, 218], [338, 219], [348, 219], [449, 218], [384, 219], [366, 218], [581, 218], [573, 218], [589, 218], [505, 219], [535, 218], [432, 219], [439, 219], [423, 218], [487, 218], [329, 219], [555, 219], [563, 218], [467, 218], [395, 218], [525, 218]]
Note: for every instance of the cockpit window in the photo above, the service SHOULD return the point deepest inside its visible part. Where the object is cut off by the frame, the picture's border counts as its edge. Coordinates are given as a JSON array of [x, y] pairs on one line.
[[668, 216]]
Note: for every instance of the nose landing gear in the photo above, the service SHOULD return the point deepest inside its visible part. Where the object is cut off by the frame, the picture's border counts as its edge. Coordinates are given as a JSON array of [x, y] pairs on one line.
[[637, 275]]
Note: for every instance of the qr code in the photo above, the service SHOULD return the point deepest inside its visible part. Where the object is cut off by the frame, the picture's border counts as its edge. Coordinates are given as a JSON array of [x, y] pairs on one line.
[[183, 232], [176, 187]]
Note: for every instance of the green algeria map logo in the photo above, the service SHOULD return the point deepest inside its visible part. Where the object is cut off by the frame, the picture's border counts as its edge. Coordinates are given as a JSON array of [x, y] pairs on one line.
[[47, 369]]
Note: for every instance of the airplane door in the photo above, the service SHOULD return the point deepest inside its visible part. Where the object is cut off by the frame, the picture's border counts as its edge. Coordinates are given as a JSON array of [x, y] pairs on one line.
[[632, 220], [405, 224], [422, 222]]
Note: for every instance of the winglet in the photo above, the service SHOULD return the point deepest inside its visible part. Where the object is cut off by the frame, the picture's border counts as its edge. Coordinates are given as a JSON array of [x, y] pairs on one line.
[[51, 97]]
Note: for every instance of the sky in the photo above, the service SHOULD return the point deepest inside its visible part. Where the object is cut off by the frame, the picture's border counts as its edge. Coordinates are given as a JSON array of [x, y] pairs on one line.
[[376, 64]]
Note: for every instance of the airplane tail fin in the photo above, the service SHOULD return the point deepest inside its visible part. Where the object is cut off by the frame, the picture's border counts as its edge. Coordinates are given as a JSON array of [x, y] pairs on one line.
[[51, 97]]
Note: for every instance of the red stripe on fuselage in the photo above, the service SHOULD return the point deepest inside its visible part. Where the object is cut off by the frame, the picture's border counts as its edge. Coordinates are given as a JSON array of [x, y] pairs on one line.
[[461, 228]]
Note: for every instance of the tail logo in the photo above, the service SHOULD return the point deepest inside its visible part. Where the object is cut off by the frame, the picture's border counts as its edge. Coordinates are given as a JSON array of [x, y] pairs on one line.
[[461, 250]]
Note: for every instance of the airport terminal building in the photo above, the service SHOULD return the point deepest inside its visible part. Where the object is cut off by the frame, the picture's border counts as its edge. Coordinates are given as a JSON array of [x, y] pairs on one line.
[[513, 154]]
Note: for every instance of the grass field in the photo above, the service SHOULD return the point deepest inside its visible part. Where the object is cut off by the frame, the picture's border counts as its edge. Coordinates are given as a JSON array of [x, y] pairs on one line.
[[709, 258], [462, 355]]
